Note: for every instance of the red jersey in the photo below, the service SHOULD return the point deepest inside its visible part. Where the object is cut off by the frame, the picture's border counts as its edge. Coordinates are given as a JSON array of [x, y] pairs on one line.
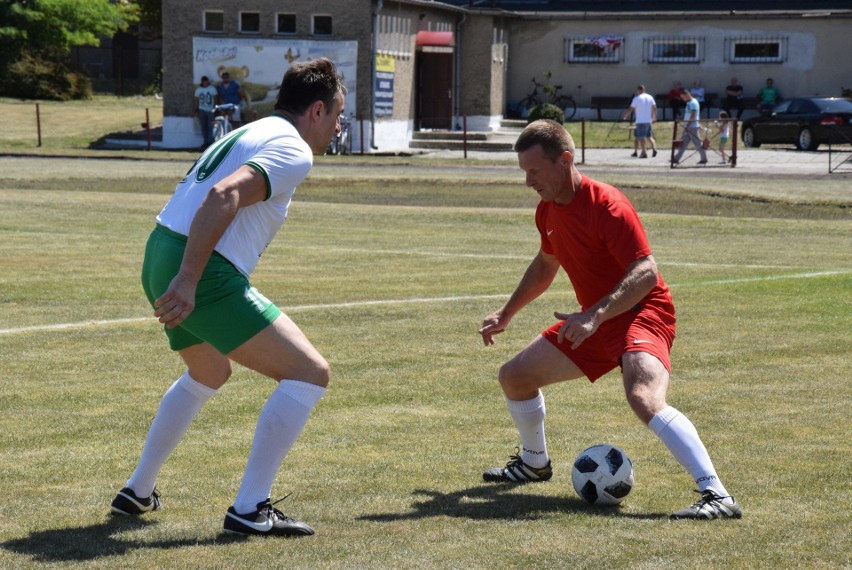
[[595, 238]]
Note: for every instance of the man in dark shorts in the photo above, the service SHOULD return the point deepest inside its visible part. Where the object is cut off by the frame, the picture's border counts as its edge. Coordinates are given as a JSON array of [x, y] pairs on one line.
[[627, 318], [207, 241], [733, 99]]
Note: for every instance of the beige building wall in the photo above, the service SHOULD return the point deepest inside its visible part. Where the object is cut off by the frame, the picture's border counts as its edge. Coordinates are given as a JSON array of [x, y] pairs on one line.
[[496, 55], [481, 74], [816, 63]]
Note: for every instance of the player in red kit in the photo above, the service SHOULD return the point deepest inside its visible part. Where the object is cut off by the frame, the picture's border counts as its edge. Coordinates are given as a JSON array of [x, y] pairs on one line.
[[626, 318]]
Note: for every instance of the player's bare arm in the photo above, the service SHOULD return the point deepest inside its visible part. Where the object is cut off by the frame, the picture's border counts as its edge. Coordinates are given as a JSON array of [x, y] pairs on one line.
[[243, 188], [641, 276], [536, 280]]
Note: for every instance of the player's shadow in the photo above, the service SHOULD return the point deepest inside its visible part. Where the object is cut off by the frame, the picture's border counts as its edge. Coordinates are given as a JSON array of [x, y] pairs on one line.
[[489, 502], [94, 541]]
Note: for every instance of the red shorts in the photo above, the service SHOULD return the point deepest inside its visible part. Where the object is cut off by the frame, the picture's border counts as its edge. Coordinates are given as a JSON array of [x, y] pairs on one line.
[[648, 329]]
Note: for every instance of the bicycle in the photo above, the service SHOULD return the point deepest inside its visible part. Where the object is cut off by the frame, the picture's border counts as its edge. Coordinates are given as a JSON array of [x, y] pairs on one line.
[[564, 102], [222, 121], [340, 142]]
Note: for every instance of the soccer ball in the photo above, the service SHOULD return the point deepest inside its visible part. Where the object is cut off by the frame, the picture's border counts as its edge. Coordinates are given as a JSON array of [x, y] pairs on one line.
[[602, 475]]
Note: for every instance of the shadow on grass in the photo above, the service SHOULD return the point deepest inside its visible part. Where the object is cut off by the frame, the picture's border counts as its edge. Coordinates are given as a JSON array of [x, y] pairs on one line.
[[489, 502], [95, 541]]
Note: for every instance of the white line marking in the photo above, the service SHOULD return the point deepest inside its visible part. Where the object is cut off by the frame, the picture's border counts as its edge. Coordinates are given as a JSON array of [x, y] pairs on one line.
[[296, 308], [527, 257], [764, 278]]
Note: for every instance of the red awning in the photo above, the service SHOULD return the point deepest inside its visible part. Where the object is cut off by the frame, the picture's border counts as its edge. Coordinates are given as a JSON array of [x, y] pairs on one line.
[[435, 39]]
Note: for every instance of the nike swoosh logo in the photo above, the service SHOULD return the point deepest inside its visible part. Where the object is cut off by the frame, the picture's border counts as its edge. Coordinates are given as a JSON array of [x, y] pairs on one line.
[[265, 526], [637, 341], [549, 232]]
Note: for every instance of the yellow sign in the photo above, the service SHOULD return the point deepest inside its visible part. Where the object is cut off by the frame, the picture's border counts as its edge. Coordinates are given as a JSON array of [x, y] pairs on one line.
[[385, 63]]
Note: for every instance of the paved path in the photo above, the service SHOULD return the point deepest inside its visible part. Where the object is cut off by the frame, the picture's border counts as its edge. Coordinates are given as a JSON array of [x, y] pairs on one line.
[[772, 162]]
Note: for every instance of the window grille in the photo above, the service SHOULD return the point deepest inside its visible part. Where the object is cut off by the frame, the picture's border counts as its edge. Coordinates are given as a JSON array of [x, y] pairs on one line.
[[321, 25], [394, 36], [756, 49], [675, 49], [214, 21], [594, 49], [285, 23], [249, 22]]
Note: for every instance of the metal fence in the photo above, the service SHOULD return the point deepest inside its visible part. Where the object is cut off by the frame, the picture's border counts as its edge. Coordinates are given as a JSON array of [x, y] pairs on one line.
[[122, 71]]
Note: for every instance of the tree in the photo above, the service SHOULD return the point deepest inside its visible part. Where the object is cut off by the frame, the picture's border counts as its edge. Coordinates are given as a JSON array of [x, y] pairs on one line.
[[36, 37]]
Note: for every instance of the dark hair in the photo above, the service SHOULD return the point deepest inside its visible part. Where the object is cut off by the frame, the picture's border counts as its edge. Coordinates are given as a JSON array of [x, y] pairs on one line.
[[307, 82], [552, 137], [204, 78]]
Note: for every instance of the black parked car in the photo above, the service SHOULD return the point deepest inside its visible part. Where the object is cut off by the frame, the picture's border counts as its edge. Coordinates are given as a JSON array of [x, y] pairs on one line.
[[804, 122]]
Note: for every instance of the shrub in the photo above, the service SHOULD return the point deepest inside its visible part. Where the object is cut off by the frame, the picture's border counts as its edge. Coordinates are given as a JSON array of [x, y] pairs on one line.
[[32, 77], [546, 111]]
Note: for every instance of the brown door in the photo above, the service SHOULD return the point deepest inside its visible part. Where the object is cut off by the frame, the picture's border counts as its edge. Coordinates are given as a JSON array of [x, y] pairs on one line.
[[434, 90]]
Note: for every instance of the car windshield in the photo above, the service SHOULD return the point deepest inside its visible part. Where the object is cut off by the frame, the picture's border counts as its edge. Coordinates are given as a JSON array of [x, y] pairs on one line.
[[782, 107], [834, 105]]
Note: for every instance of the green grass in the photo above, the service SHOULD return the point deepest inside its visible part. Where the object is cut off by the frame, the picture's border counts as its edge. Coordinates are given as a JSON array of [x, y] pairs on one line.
[[71, 124], [77, 124], [388, 468]]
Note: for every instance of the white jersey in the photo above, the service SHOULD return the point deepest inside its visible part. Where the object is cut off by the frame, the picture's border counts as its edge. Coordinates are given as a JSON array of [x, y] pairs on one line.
[[643, 105], [274, 147]]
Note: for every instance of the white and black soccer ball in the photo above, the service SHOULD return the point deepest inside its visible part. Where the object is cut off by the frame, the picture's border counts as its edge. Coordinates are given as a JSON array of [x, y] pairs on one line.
[[602, 475]]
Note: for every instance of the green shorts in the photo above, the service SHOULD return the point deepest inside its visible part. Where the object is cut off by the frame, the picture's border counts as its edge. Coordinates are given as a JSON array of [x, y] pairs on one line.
[[228, 310]]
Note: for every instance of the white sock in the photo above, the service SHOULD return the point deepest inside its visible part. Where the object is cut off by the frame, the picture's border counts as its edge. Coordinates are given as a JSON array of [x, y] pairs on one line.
[[681, 437], [529, 417], [280, 423], [178, 407]]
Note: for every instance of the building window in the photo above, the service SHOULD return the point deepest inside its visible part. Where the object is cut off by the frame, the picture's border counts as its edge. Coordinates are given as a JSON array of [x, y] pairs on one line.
[[395, 37], [214, 22], [321, 25], [757, 50], [674, 50], [285, 24], [249, 22], [594, 49]]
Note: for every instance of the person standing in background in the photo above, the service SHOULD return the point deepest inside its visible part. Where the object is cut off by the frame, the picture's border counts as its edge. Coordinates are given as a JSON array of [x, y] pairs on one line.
[[690, 129], [644, 107], [697, 92], [733, 98], [231, 92], [767, 97], [203, 103], [675, 102]]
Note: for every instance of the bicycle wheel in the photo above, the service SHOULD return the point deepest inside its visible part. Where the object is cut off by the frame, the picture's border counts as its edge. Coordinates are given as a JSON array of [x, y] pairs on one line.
[[218, 131], [568, 106]]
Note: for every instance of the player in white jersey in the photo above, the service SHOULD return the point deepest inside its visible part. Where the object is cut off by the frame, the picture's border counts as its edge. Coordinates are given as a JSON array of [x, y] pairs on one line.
[[207, 241]]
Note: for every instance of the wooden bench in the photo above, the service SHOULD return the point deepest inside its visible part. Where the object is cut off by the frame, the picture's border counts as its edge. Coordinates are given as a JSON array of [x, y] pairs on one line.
[[749, 104], [602, 102], [662, 101], [710, 100]]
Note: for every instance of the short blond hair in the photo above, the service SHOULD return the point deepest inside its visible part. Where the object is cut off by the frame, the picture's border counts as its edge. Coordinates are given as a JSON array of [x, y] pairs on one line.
[[552, 137]]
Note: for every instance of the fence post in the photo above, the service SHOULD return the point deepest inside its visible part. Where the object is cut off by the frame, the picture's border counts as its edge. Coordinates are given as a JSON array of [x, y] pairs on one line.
[[38, 123], [464, 140], [148, 127]]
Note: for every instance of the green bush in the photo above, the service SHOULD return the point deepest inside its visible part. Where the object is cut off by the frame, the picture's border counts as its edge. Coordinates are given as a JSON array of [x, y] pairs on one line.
[[32, 77], [546, 111]]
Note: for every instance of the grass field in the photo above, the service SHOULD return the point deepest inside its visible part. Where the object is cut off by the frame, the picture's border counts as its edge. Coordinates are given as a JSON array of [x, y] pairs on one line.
[[389, 267]]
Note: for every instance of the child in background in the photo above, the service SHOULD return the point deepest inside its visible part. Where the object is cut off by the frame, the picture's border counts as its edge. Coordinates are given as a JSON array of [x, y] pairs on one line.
[[724, 125]]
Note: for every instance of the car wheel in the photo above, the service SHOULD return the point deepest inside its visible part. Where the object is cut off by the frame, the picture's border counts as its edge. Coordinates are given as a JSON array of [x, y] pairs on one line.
[[749, 138], [805, 140]]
